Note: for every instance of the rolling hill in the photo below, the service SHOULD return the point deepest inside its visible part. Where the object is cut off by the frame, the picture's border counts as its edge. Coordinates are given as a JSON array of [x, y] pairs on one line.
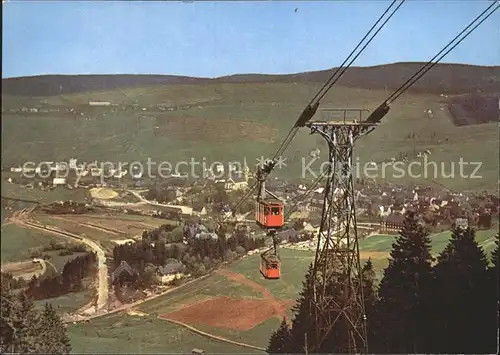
[[243, 117], [444, 78]]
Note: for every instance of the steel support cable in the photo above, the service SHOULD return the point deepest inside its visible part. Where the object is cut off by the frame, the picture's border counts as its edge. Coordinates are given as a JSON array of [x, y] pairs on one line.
[[306, 194], [334, 77], [314, 103], [429, 65], [244, 198], [353, 51], [433, 62], [379, 113], [343, 68], [312, 107]]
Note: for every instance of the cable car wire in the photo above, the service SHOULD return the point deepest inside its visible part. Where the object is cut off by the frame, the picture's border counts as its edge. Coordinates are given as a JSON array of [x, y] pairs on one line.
[[383, 109], [313, 105], [433, 62], [342, 69]]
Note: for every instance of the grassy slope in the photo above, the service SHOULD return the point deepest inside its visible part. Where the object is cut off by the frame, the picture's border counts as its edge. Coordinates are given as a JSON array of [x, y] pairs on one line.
[[120, 333], [35, 194], [16, 241], [67, 303], [212, 286], [295, 264], [276, 105]]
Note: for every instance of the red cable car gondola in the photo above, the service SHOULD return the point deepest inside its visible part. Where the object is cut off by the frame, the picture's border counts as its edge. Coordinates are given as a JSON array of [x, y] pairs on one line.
[[270, 265], [269, 213]]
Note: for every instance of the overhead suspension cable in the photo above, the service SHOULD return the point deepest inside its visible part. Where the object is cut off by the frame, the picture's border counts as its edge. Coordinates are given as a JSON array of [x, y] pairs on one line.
[[313, 105], [447, 49], [343, 67], [305, 195], [383, 109]]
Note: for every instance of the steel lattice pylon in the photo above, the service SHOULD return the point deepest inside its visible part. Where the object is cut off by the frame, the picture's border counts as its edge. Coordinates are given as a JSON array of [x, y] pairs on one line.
[[338, 304]]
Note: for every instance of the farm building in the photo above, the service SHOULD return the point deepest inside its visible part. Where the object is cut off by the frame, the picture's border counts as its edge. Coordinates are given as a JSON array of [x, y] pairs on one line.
[[99, 103], [171, 271], [59, 181], [392, 223]]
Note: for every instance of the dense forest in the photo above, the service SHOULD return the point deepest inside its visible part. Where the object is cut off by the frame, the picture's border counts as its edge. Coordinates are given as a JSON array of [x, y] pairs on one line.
[[70, 280], [202, 251], [25, 330], [421, 305]]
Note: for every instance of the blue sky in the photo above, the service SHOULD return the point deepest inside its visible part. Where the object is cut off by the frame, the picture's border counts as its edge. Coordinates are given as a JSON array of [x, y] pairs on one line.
[[221, 38]]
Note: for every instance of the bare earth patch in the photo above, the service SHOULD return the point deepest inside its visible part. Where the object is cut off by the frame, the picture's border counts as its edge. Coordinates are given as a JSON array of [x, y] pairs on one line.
[[226, 312]]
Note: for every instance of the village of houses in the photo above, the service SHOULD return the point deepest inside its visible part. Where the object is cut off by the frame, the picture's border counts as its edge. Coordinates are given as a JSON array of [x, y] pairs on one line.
[[201, 202], [381, 206], [91, 109]]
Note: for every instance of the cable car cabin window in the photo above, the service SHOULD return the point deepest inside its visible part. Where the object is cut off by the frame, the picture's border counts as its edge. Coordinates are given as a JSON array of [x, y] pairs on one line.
[[275, 211], [274, 266], [266, 211]]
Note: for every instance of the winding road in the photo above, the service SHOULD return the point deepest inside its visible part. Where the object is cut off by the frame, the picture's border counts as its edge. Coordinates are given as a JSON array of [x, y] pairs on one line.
[[102, 274]]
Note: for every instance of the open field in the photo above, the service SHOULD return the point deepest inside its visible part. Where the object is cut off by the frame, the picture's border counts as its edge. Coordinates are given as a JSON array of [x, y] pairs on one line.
[[124, 218], [103, 193], [25, 269], [17, 241], [120, 333], [67, 303], [104, 229], [377, 247], [250, 307], [274, 106], [58, 194]]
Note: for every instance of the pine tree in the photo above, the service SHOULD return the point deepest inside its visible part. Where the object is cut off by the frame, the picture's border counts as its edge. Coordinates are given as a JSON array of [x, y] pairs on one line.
[[279, 342], [369, 282], [53, 337], [24, 321], [303, 322], [369, 296], [462, 302], [7, 330], [494, 253], [399, 319], [24, 330], [494, 308]]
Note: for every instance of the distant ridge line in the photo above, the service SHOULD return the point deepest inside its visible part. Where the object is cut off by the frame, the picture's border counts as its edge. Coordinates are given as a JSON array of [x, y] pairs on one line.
[[445, 78]]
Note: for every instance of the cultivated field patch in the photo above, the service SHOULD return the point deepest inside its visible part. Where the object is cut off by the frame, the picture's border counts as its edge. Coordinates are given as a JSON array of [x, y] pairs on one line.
[[24, 269], [226, 312], [103, 193], [474, 109]]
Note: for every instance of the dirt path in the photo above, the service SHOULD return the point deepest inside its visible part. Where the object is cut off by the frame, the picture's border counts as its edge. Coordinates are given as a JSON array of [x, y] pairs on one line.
[[92, 226], [131, 221], [279, 308], [211, 336], [125, 307], [102, 273]]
